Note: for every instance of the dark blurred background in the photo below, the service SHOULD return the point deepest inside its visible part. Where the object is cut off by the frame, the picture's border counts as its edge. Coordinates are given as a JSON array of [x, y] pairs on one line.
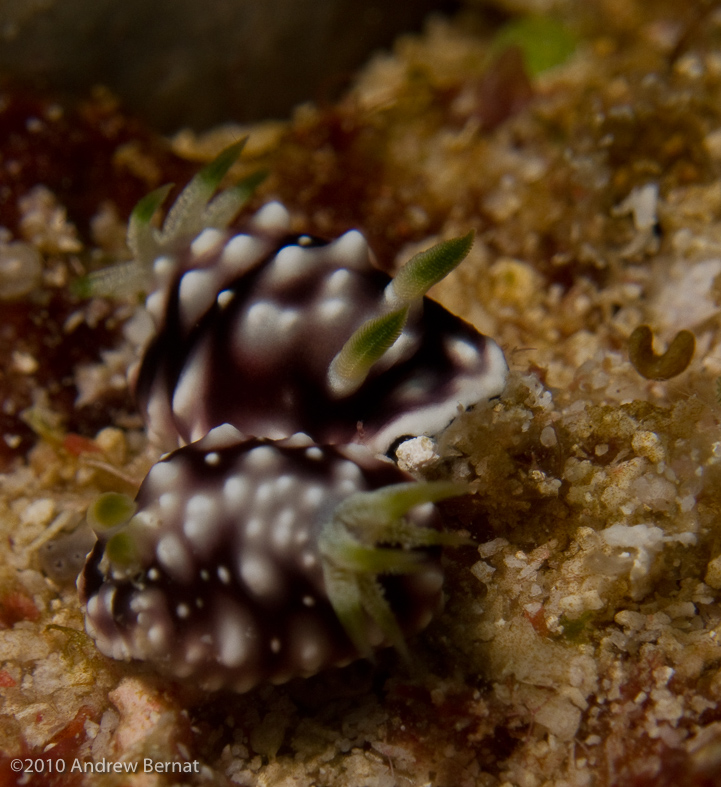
[[195, 63]]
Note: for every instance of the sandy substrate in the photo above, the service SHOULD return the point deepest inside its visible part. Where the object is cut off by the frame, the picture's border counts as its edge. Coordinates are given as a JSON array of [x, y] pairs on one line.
[[580, 641]]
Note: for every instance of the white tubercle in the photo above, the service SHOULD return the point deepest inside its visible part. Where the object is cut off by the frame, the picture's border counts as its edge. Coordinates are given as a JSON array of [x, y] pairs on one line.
[[290, 264], [197, 293], [208, 240], [163, 269], [192, 384], [240, 254], [272, 217], [155, 304], [221, 436], [352, 250]]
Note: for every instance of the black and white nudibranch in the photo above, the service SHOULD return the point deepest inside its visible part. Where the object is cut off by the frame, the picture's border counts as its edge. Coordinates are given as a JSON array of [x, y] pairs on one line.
[[251, 560], [279, 333], [276, 539]]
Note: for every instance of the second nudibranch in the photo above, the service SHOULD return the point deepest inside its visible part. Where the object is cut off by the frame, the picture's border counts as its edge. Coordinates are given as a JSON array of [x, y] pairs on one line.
[[249, 560], [278, 333]]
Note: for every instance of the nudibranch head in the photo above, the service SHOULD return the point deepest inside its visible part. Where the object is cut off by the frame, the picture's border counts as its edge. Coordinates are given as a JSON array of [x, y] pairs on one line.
[[251, 560], [278, 333]]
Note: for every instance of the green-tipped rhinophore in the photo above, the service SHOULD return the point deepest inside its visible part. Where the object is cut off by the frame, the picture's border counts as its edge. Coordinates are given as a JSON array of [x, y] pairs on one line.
[[352, 559], [367, 345], [427, 268]]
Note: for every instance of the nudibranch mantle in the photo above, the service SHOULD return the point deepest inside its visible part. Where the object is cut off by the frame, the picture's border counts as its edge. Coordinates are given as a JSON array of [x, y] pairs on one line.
[[271, 310], [276, 539]]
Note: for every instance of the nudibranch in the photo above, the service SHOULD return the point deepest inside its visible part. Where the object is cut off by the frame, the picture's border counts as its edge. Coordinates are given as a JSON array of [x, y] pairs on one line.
[[276, 538], [278, 333], [250, 560]]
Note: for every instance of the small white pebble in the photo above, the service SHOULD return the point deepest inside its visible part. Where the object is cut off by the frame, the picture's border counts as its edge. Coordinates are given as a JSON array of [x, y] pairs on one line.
[[548, 437], [681, 609], [713, 573], [24, 363], [417, 453]]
